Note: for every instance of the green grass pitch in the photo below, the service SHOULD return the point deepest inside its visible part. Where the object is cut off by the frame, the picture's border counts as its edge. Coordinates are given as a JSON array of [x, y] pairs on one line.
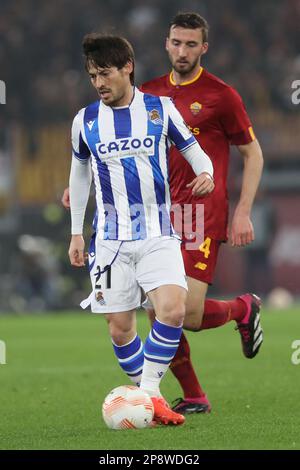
[[60, 367]]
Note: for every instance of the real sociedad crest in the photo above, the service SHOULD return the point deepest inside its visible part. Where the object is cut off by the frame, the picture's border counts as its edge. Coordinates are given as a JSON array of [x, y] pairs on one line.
[[99, 297], [154, 116]]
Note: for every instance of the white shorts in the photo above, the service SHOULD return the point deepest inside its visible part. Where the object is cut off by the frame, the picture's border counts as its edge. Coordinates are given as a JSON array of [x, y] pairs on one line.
[[119, 271]]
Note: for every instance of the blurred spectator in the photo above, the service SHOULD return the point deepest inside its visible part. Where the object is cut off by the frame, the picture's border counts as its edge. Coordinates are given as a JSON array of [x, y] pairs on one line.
[[35, 273], [259, 272], [255, 46]]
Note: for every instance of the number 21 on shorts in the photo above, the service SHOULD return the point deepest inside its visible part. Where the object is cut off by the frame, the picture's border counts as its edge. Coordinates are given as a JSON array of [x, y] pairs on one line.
[[98, 274]]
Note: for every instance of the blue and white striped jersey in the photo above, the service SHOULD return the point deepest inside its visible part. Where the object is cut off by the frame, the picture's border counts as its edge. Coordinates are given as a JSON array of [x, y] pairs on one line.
[[128, 150]]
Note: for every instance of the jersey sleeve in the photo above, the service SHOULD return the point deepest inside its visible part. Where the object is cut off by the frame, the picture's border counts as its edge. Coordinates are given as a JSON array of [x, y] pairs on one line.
[[80, 149], [177, 130], [79, 184], [234, 118]]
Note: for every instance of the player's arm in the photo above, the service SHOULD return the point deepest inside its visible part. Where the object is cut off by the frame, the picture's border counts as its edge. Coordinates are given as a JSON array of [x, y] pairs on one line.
[[79, 187], [242, 232], [203, 168], [65, 199], [239, 131], [183, 139], [79, 190]]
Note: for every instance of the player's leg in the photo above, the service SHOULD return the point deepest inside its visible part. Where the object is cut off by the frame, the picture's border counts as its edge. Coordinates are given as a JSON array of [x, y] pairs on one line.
[[200, 272], [161, 346], [127, 345], [195, 399], [163, 340], [244, 310], [204, 313], [161, 275], [116, 294], [197, 290]]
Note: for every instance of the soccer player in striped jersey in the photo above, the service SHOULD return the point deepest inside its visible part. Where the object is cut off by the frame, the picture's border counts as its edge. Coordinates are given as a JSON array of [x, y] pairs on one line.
[[121, 141]]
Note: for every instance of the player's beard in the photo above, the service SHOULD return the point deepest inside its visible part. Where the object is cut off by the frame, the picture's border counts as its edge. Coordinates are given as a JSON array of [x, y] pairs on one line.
[[113, 99], [185, 68]]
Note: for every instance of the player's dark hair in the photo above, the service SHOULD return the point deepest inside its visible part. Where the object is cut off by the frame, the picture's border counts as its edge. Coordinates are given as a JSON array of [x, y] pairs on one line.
[[107, 51], [191, 20]]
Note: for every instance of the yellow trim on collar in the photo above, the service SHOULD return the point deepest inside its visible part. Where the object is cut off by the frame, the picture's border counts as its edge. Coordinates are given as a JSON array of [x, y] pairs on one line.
[[186, 83]]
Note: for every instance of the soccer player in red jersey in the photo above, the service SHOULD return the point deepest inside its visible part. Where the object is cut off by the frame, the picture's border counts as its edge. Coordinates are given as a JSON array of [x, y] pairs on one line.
[[215, 113]]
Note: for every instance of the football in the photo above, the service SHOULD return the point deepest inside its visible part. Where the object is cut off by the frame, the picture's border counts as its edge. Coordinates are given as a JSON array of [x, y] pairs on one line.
[[127, 407]]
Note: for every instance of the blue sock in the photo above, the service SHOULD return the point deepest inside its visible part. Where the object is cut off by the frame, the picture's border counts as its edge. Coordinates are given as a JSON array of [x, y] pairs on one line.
[[131, 358], [160, 348]]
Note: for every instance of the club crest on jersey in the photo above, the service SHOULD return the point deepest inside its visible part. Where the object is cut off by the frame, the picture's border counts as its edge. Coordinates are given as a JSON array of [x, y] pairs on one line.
[[99, 298], [195, 108], [154, 116]]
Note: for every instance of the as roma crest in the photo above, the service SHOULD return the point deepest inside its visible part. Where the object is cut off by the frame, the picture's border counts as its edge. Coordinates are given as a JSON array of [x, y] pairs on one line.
[[195, 108]]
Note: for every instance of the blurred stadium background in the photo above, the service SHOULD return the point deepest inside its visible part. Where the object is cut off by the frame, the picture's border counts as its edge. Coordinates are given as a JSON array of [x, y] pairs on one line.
[[254, 46]]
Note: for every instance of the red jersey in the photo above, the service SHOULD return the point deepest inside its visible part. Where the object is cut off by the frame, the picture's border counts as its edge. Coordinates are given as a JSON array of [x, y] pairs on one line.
[[216, 115]]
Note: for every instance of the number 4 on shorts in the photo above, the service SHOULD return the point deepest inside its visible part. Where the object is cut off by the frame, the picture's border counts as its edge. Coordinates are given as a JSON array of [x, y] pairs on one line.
[[205, 249]]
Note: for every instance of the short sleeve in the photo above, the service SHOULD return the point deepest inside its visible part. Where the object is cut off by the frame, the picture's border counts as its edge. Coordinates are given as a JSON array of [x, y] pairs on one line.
[[80, 149], [177, 130], [234, 118]]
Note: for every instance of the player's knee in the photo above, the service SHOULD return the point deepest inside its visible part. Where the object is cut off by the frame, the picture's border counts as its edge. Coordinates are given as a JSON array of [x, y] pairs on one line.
[[120, 337], [195, 310], [192, 324], [120, 334], [193, 318], [172, 313]]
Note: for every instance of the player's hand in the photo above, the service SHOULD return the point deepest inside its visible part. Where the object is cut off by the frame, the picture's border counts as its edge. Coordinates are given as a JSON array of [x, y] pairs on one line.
[[242, 232], [202, 184], [76, 251], [65, 200]]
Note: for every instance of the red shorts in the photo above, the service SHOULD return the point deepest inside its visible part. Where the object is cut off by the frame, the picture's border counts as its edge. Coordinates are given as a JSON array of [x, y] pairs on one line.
[[201, 264]]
